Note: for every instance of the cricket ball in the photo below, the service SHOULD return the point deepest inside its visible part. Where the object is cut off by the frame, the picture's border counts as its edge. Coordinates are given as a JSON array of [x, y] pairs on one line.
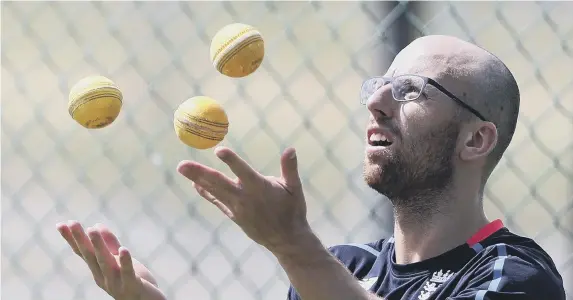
[[95, 102], [200, 122], [237, 50]]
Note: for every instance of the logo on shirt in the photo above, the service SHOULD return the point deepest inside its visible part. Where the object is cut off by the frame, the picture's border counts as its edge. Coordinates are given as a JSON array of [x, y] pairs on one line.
[[368, 283], [437, 279]]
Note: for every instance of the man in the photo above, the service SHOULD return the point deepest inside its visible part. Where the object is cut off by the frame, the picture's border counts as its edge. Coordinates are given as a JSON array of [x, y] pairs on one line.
[[439, 123]]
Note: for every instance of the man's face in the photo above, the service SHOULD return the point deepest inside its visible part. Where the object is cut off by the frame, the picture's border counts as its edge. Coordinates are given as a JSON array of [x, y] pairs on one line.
[[423, 135]]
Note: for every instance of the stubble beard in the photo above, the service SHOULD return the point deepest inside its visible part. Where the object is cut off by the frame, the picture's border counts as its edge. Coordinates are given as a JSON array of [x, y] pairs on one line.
[[416, 176]]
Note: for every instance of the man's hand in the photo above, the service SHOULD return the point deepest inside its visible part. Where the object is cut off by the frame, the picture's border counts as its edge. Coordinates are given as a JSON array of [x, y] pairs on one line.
[[112, 267], [270, 210]]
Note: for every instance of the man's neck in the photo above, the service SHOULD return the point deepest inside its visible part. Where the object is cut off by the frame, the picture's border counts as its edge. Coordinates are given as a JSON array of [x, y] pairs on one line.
[[423, 233]]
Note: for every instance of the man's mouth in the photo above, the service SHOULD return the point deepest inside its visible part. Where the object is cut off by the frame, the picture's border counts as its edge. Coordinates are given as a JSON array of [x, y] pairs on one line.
[[379, 139]]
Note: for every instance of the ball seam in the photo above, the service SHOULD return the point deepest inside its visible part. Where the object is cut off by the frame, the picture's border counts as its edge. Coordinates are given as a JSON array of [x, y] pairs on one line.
[[206, 121], [77, 103], [190, 128], [228, 56], [77, 92], [229, 41]]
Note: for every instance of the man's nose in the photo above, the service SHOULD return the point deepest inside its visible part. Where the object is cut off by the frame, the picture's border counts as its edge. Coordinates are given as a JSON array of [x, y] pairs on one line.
[[381, 103]]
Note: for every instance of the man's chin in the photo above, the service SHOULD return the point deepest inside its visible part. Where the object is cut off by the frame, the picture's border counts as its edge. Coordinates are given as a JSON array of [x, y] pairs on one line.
[[373, 176], [378, 155], [382, 177]]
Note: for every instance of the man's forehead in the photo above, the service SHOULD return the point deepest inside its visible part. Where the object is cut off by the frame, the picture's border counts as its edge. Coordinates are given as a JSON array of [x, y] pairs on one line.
[[417, 64], [436, 57]]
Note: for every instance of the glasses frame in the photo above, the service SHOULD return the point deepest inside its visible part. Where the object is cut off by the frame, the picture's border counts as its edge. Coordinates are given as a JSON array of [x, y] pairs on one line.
[[426, 80]]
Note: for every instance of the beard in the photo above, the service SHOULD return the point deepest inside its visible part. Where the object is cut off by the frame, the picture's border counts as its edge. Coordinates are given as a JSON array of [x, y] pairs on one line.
[[419, 170]]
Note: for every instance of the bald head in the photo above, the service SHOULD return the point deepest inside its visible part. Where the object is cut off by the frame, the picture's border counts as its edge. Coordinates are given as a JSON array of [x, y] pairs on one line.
[[474, 75]]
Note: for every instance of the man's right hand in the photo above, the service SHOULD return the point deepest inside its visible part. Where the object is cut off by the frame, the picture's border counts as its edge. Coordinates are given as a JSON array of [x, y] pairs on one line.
[[112, 267]]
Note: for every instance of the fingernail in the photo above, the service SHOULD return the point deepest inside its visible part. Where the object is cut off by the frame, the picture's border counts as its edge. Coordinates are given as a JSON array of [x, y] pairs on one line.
[[183, 165], [219, 152], [293, 154], [91, 231]]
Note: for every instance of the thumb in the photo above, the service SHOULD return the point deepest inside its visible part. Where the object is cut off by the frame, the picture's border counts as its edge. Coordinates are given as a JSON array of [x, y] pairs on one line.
[[289, 169]]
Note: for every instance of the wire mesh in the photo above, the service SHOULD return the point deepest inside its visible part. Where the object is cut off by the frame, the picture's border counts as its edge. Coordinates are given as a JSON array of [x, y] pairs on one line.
[[304, 95]]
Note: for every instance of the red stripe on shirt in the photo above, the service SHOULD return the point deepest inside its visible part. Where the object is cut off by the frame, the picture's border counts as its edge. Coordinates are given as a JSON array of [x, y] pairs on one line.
[[485, 232]]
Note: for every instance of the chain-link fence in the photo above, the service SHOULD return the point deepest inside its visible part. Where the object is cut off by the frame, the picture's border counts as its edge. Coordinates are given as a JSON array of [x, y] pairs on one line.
[[304, 95]]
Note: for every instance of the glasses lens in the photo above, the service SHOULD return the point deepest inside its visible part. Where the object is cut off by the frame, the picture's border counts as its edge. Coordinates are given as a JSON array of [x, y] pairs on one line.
[[406, 88], [369, 87]]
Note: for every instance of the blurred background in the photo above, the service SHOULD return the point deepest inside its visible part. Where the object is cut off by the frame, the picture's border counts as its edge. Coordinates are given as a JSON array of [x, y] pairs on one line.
[[305, 95]]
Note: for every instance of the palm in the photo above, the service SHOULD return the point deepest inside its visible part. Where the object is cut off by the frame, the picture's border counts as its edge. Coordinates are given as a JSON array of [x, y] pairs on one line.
[[270, 210], [149, 288], [141, 271], [149, 291], [112, 266]]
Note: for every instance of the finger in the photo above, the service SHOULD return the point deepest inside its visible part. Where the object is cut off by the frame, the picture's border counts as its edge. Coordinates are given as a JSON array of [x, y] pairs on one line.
[[111, 241], [128, 277], [205, 194], [224, 209], [67, 235], [105, 259], [219, 185], [204, 175], [87, 251], [238, 166], [289, 170]]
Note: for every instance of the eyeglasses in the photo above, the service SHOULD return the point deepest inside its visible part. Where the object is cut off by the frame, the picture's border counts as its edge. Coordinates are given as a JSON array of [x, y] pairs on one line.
[[408, 88]]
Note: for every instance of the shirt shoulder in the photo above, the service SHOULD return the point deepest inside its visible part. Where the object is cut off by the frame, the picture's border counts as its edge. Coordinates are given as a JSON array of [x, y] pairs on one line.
[[356, 256], [512, 267]]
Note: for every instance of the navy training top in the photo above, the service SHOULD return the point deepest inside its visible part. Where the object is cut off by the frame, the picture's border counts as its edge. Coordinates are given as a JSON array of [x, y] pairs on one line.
[[494, 264]]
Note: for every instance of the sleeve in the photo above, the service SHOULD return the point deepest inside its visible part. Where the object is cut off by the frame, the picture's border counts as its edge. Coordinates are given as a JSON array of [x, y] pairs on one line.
[[513, 278], [292, 294]]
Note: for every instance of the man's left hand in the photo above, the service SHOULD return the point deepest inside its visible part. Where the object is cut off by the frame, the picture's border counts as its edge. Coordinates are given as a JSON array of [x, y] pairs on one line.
[[270, 210]]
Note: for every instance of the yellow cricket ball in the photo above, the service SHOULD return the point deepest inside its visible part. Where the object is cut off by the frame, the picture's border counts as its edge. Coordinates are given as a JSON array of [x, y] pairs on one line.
[[200, 122], [237, 50], [95, 102]]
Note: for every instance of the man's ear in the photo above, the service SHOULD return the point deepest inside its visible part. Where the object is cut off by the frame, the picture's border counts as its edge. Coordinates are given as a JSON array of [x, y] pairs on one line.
[[479, 141]]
